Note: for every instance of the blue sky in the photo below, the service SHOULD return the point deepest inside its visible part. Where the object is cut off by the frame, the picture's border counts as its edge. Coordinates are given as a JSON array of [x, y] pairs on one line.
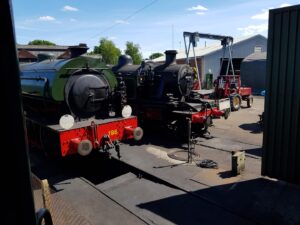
[[156, 25]]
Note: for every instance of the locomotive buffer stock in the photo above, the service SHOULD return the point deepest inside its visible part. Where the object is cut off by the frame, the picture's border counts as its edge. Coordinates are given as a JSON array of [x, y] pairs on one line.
[[100, 134]]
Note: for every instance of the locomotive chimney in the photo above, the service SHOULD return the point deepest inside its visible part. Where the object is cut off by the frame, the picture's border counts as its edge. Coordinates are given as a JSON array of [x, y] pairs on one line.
[[125, 60], [170, 57], [78, 50]]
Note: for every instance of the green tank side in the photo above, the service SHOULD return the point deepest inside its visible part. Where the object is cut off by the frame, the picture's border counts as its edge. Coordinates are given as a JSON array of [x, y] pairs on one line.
[[71, 66]]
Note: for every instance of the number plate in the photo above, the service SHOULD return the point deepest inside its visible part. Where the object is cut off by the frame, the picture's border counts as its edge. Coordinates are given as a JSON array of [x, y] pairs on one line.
[[113, 132]]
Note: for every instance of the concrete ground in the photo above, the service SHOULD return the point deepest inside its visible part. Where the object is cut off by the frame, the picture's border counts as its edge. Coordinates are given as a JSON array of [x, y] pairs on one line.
[[242, 125], [248, 198], [189, 194]]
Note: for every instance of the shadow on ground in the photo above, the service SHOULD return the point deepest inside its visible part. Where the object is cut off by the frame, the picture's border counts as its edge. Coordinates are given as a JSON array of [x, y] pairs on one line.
[[254, 128], [254, 151], [95, 167], [160, 136], [258, 201]]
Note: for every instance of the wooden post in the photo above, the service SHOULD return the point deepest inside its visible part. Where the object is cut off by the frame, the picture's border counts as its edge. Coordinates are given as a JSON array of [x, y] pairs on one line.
[[46, 194]]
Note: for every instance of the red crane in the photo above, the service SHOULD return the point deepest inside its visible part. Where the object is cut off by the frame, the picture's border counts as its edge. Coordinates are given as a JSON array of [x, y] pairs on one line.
[[226, 85]]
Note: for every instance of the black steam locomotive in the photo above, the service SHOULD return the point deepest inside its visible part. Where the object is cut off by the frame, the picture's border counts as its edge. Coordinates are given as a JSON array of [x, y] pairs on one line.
[[163, 92]]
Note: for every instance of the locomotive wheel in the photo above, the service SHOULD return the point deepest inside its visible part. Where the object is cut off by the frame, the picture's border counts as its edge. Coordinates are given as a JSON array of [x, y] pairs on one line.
[[250, 101], [236, 102], [227, 113], [207, 123]]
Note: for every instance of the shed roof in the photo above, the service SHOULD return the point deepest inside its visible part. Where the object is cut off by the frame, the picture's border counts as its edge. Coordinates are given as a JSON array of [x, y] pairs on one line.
[[42, 47], [24, 54], [202, 51]]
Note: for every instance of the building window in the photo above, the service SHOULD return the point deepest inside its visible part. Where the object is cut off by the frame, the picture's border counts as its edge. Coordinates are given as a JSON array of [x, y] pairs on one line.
[[257, 49]]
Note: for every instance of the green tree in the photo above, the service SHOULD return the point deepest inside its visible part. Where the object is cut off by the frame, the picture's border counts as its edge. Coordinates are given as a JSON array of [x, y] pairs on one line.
[[108, 50], [155, 55], [134, 51], [41, 42]]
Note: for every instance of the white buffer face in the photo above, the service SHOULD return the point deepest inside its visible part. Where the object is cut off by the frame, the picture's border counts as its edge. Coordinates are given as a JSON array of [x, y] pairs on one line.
[[224, 104], [66, 121], [85, 147], [126, 111]]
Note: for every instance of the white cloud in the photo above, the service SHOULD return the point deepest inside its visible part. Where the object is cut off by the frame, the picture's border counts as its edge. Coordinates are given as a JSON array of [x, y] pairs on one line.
[[260, 28], [285, 5], [199, 9], [121, 22], [253, 29], [261, 16], [264, 15], [46, 18], [69, 8], [73, 20], [112, 38]]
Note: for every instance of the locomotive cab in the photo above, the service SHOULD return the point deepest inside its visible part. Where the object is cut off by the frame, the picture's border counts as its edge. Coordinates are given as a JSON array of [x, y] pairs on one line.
[[128, 73]]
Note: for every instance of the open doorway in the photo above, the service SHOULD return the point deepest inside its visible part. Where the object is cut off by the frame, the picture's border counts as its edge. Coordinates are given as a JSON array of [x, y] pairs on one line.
[[236, 65]]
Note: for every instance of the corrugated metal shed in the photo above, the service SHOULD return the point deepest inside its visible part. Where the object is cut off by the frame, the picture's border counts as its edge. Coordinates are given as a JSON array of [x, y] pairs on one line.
[[210, 49], [281, 154], [253, 71], [210, 56]]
